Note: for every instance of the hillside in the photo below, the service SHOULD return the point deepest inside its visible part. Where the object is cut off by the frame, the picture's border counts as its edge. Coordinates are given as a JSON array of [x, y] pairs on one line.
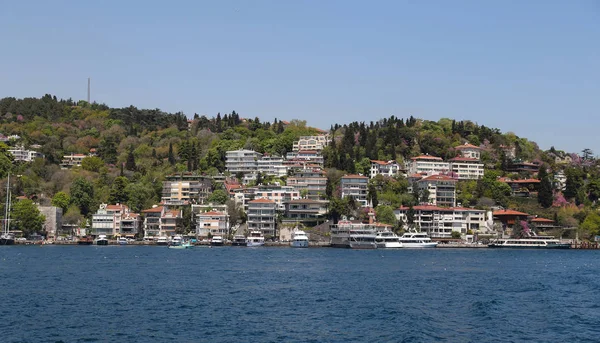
[[130, 151]]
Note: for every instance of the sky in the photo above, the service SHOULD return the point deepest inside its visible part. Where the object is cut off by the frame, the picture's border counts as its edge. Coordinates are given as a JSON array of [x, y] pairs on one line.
[[528, 67]]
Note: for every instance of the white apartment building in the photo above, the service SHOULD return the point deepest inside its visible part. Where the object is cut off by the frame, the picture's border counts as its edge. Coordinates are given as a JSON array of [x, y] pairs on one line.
[[261, 216], [440, 222], [441, 188], [387, 168], [313, 181], [21, 154], [160, 222], [272, 165], [311, 143], [213, 222], [466, 168], [107, 220], [278, 194], [305, 157], [182, 192], [242, 161], [73, 160], [356, 187]]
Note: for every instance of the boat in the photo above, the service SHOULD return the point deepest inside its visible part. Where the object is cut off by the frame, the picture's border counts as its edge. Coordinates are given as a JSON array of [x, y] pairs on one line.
[[347, 234], [239, 241], [216, 241], [7, 238], [85, 241], [534, 242], [183, 245], [162, 240], [102, 240], [122, 241], [255, 239], [176, 240], [414, 239], [387, 239], [299, 239]]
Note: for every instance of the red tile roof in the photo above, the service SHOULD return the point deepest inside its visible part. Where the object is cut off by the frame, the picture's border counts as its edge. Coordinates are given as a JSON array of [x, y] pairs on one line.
[[154, 209], [509, 213], [261, 200], [354, 176], [542, 220], [463, 159], [382, 162], [437, 178], [467, 146]]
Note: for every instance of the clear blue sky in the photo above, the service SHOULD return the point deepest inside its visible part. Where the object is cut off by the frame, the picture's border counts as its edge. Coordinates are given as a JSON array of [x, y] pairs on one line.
[[530, 67]]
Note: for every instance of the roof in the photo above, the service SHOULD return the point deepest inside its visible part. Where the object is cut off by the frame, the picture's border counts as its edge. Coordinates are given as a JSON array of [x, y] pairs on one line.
[[427, 157], [507, 180], [308, 152], [437, 178], [261, 201], [306, 201], [509, 213], [436, 208], [211, 213], [116, 207], [354, 176], [154, 209], [464, 159], [467, 146], [382, 162]]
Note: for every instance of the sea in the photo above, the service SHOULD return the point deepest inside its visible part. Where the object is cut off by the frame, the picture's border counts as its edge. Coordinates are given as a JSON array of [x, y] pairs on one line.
[[239, 294]]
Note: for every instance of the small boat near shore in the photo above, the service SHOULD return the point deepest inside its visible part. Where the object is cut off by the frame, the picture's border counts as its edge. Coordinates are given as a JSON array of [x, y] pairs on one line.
[[217, 241], [85, 241], [239, 241], [162, 240], [122, 241], [299, 239], [186, 245], [102, 240], [255, 239], [417, 240]]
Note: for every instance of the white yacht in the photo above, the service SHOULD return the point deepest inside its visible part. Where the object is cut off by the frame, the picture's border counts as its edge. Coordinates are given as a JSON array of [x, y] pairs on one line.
[[102, 240], [176, 240], [162, 240], [239, 241], [417, 240], [216, 241], [387, 239], [534, 242], [299, 239], [347, 234], [122, 241], [255, 239], [362, 239]]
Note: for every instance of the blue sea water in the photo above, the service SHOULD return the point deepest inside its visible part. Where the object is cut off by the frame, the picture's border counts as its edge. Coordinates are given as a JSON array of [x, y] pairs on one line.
[[236, 294]]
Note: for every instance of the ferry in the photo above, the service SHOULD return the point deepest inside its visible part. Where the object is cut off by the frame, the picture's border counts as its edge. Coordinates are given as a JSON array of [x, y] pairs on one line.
[[416, 240], [362, 239], [239, 241], [255, 239], [387, 239], [535, 242], [299, 239]]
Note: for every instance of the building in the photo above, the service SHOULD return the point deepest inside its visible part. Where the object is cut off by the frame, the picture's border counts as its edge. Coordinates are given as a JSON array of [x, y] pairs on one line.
[[519, 166], [560, 180], [440, 222], [131, 224], [356, 187], [21, 154], [278, 194], [306, 211], [272, 165], [73, 160], [213, 223], [425, 164], [469, 150], [311, 182], [305, 157], [466, 168], [53, 222], [311, 143], [387, 168], [115, 220], [441, 190], [242, 161], [152, 221], [180, 192], [522, 187], [508, 218], [262, 216]]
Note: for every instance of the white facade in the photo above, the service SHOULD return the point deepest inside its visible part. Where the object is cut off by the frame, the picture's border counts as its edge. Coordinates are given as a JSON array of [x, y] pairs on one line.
[[21, 154], [213, 222], [261, 216], [272, 165], [442, 190], [356, 187], [311, 143], [73, 160], [469, 150], [313, 181], [387, 168], [278, 194], [242, 161], [440, 222], [467, 168]]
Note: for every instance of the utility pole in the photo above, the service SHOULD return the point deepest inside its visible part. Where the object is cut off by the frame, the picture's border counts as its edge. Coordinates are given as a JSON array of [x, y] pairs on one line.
[[89, 83]]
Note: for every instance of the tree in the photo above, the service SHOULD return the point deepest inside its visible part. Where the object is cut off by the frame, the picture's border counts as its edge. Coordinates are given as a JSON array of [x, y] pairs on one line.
[[139, 196], [72, 215], [385, 214], [171, 156], [118, 193], [372, 195], [410, 217], [219, 196], [130, 163], [592, 223], [92, 163], [82, 194], [27, 217], [545, 197], [108, 150], [61, 200], [6, 159]]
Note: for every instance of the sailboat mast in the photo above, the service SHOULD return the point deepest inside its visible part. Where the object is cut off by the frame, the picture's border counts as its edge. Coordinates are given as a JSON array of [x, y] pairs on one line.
[[6, 209]]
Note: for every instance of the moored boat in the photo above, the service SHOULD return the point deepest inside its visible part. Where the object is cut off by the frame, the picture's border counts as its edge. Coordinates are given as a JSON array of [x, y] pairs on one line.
[[184, 245], [102, 240], [362, 240], [416, 240], [299, 239], [255, 239], [162, 240], [534, 242], [216, 241], [7, 238], [387, 239], [239, 241], [85, 240], [122, 241]]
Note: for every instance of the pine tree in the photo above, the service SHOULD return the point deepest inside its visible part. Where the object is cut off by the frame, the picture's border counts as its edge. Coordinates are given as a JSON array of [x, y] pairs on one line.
[[171, 155], [545, 190], [130, 163]]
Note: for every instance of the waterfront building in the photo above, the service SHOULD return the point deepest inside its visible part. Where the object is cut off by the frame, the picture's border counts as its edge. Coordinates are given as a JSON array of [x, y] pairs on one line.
[[262, 215], [53, 221], [278, 194], [441, 189], [305, 211], [214, 223], [159, 221], [508, 218], [107, 220], [440, 222], [356, 187]]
